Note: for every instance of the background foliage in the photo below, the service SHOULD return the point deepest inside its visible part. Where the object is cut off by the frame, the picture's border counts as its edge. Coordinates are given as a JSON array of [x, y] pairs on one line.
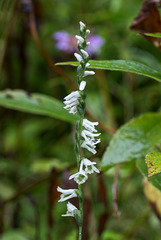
[[36, 150]]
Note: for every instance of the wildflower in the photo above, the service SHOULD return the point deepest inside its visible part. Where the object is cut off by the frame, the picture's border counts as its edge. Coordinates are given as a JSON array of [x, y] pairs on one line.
[[87, 73], [72, 101], [84, 54], [89, 125], [89, 166], [68, 43], [90, 141], [89, 136], [79, 177], [82, 85], [82, 26], [66, 194], [63, 41], [70, 210], [78, 57], [96, 42], [80, 39]]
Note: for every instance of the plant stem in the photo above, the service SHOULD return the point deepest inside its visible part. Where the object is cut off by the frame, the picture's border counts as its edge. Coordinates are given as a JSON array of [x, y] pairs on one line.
[[78, 155]]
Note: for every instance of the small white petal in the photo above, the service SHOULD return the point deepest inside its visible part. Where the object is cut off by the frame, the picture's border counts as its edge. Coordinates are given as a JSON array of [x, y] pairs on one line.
[[71, 102], [84, 53], [90, 149], [71, 95], [78, 57], [89, 125], [79, 177], [87, 73], [87, 65], [82, 85], [82, 25], [88, 43], [79, 38], [70, 210], [87, 32], [66, 194]]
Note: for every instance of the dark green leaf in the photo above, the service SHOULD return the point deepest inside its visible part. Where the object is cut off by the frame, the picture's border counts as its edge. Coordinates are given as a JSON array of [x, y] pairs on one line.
[[121, 65], [133, 140], [36, 104]]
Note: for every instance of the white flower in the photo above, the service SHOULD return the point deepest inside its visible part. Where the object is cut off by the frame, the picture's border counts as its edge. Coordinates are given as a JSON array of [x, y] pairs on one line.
[[78, 57], [66, 194], [70, 210], [79, 177], [89, 136], [89, 125], [87, 73], [89, 166], [87, 32], [82, 85], [87, 65], [90, 141], [84, 53], [82, 25], [80, 39], [71, 102]]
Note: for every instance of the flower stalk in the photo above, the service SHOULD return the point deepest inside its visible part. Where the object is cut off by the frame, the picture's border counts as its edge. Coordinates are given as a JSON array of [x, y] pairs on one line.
[[86, 135]]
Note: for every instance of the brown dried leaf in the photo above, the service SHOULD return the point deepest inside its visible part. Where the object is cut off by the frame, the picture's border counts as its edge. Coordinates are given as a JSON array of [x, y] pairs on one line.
[[149, 21]]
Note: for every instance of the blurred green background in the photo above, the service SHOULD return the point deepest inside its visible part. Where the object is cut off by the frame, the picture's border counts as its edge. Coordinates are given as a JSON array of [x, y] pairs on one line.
[[36, 152]]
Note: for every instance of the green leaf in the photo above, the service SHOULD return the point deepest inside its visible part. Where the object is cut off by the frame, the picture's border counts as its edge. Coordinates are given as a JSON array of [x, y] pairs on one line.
[[133, 140], [155, 180], [153, 160], [36, 104], [157, 35], [121, 65], [14, 235]]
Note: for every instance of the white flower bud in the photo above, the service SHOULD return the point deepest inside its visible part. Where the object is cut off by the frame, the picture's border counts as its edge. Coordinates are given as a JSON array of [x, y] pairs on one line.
[[84, 53], [78, 57], [82, 85]]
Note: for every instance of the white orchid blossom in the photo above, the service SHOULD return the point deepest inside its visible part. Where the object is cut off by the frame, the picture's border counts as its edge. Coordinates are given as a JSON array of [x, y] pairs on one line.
[[84, 53], [89, 125], [70, 210], [88, 73], [89, 166], [78, 57], [82, 85], [79, 177], [71, 101], [89, 137], [82, 25], [66, 194]]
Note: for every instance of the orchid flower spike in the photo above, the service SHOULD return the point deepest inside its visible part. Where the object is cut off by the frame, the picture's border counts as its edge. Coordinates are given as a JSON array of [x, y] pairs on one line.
[[66, 194], [70, 210], [89, 166]]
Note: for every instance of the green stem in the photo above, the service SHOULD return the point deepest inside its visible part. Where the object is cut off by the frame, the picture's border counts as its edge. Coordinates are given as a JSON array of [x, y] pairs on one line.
[[81, 211], [78, 155]]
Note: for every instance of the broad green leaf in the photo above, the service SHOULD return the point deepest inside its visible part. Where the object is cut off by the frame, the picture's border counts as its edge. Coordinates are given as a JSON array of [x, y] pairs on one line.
[[36, 104], [121, 65], [153, 160], [155, 180], [133, 140], [157, 35]]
